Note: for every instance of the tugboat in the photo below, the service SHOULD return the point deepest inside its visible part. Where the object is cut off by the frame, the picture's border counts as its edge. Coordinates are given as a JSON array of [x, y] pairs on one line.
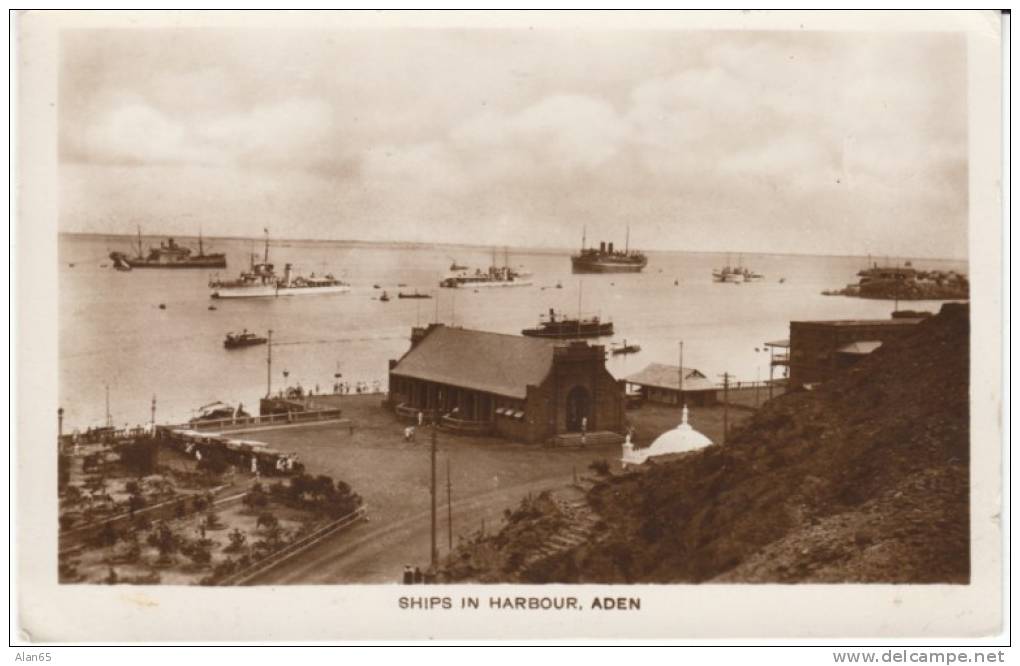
[[416, 294], [260, 280], [607, 260], [168, 255], [624, 348], [243, 339], [559, 326]]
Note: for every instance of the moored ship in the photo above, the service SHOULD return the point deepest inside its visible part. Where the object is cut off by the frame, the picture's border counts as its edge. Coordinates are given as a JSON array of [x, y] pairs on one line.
[[243, 339], [261, 281], [605, 259], [169, 254], [560, 326], [495, 276]]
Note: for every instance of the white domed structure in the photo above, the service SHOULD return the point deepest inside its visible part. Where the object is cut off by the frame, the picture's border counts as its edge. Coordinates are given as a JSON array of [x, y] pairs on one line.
[[680, 439]]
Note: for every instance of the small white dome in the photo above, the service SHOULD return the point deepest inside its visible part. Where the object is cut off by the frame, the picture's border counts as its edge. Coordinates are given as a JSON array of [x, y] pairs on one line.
[[680, 439]]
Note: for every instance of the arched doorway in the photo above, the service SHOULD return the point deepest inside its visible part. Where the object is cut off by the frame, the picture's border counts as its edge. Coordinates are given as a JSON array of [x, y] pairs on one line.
[[578, 408]]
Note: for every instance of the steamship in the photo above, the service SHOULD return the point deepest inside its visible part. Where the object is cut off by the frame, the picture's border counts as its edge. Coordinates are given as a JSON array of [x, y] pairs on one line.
[[606, 259]]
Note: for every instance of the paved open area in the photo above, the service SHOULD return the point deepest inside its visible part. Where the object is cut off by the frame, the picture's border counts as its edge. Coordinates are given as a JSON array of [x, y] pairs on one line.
[[487, 475]]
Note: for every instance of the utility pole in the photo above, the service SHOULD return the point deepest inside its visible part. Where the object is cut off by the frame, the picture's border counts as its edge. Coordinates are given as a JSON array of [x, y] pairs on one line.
[[435, 549], [153, 417], [60, 421], [109, 419], [449, 504], [680, 383], [726, 406], [269, 365]]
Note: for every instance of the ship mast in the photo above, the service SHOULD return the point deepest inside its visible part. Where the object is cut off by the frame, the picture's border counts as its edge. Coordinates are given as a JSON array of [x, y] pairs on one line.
[[626, 243], [265, 259], [139, 240], [200, 252], [584, 236]]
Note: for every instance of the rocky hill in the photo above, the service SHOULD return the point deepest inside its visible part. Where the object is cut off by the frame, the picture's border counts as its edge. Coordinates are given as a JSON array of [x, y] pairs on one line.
[[862, 480]]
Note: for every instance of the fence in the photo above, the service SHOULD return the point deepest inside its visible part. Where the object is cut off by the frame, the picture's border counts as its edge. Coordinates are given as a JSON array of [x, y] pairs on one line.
[[243, 422], [279, 557]]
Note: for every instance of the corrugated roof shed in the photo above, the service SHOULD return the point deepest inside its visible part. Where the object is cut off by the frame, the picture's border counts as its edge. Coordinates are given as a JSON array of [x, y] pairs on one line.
[[663, 376], [479, 360]]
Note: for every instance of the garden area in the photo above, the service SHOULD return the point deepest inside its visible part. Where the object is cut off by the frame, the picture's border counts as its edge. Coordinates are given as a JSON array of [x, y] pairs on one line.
[[135, 512]]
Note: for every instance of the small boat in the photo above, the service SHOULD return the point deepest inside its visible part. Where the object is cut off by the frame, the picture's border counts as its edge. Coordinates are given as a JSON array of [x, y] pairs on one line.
[[624, 348], [70, 265], [217, 411], [162, 306], [416, 294], [384, 297], [401, 284], [559, 285], [375, 286], [212, 307], [454, 266], [243, 339], [558, 326]]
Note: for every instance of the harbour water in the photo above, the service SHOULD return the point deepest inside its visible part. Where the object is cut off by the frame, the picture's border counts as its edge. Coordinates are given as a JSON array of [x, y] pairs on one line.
[[113, 331]]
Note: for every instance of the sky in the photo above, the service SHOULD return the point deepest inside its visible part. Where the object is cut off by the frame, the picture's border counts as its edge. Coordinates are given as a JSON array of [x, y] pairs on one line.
[[800, 142]]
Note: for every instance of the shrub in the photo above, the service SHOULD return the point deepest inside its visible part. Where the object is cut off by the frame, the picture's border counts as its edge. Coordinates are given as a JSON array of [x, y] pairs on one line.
[[600, 467], [267, 520]]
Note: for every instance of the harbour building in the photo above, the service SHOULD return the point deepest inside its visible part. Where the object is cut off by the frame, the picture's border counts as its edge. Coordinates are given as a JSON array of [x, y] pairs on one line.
[[521, 388], [661, 383], [819, 349]]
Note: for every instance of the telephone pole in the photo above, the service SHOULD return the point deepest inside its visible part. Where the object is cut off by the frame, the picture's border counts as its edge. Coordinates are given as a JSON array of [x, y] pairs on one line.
[[726, 406], [109, 418], [449, 504], [435, 549], [680, 383], [153, 416], [269, 364]]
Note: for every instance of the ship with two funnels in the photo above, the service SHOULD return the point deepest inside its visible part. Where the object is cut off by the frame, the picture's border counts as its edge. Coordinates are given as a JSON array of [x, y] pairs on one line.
[[261, 281], [604, 259]]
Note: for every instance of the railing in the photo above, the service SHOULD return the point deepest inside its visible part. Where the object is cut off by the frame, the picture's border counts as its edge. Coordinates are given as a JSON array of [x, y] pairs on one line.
[[267, 419], [290, 550], [407, 412], [466, 426]]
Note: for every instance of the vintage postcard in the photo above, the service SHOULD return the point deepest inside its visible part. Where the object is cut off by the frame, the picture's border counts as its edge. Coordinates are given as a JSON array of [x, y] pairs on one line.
[[507, 325]]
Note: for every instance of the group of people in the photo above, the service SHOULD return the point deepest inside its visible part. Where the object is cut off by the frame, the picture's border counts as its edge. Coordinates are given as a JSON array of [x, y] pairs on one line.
[[344, 388]]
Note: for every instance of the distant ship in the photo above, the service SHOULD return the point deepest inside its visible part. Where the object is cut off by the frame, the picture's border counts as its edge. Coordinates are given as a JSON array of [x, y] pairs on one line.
[[261, 281], [168, 255], [455, 267], [243, 339], [605, 259], [736, 274], [559, 326], [496, 276]]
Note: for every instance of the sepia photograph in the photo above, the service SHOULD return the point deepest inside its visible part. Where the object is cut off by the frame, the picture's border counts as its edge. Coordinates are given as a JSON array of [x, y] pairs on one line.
[[429, 304]]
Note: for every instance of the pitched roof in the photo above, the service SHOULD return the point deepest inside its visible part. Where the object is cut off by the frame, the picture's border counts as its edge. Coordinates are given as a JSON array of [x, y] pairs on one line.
[[668, 377], [490, 362]]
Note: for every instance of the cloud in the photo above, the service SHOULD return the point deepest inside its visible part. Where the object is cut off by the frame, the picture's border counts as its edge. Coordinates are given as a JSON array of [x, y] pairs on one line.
[[765, 138]]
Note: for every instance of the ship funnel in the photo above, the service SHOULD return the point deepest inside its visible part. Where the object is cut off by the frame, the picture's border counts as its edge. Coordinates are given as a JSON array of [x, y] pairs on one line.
[[610, 248], [602, 247], [286, 275]]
